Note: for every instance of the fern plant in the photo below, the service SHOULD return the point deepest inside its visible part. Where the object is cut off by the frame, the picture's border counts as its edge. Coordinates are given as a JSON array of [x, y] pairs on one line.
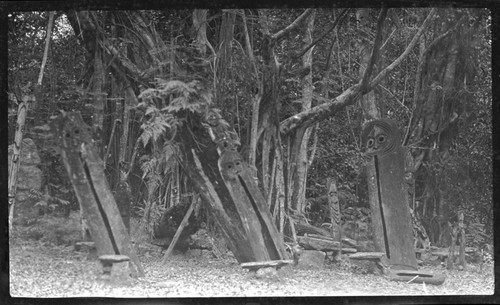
[[162, 106], [190, 96], [46, 202]]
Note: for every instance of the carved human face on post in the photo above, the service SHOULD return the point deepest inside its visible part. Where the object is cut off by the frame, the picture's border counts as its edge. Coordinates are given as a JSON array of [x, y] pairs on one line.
[[231, 164], [380, 137]]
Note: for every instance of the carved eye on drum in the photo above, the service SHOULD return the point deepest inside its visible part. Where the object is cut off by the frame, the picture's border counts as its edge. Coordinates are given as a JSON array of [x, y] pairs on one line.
[[380, 137]]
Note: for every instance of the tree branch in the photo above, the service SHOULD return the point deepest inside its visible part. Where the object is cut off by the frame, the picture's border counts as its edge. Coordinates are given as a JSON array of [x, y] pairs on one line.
[[442, 36], [396, 98], [248, 45], [395, 63], [334, 25], [139, 24], [386, 43], [280, 34], [320, 112], [349, 96], [47, 43], [129, 66]]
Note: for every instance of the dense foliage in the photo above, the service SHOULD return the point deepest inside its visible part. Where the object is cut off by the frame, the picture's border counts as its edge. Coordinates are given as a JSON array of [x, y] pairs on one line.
[[172, 78]]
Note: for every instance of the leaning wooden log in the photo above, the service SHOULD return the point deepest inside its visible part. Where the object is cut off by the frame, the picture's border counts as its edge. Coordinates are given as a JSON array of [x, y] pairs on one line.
[[309, 243], [374, 256], [86, 172], [252, 266], [444, 252], [303, 228], [414, 276], [345, 240]]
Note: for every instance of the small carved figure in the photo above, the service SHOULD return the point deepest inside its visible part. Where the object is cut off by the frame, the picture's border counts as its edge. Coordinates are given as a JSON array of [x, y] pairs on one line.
[[220, 132], [212, 117]]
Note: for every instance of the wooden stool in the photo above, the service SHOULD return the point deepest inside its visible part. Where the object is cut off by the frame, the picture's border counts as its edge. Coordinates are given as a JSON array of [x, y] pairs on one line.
[[409, 276], [87, 246], [266, 269], [115, 266]]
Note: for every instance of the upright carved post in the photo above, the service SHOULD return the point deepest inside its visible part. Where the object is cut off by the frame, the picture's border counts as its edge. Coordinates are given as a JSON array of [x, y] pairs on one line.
[[387, 193]]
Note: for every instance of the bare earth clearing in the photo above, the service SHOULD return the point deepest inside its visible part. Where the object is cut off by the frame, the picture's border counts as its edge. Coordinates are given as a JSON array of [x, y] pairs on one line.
[[41, 270]]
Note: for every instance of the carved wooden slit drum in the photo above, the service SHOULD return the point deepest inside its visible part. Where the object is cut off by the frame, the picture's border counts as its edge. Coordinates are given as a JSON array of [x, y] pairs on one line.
[[86, 172], [390, 216]]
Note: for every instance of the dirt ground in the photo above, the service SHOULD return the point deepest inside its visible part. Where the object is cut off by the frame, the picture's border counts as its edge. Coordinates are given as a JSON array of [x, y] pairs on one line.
[[40, 270], [44, 264]]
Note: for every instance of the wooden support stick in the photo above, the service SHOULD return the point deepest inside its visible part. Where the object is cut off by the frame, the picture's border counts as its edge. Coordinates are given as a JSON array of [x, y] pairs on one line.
[[461, 227], [292, 228], [179, 231], [451, 251], [111, 138]]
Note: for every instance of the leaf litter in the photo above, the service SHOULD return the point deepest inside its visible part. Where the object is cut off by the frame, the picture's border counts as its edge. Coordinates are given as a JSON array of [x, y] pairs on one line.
[[43, 270]]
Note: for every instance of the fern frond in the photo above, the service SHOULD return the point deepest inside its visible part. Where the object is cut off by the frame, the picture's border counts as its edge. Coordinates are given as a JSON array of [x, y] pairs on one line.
[[148, 166]]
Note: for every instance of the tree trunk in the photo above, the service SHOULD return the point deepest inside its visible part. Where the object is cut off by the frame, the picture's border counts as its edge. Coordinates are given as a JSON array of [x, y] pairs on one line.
[[99, 98], [21, 119], [368, 102], [223, 53], [200, 28], [439, 94], [265, 136], [16, 159], [298, 158]]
